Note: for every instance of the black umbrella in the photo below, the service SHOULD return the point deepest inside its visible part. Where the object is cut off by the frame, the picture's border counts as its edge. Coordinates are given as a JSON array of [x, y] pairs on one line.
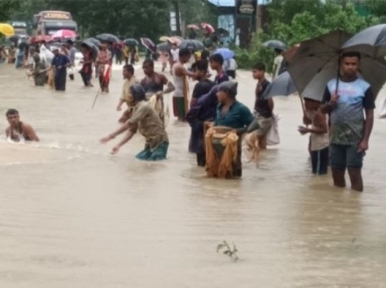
[[275, 44], [164, 47], [106, 37], [92, 46], [222, 31], [281, 86], [131, 42], [317, 61], [191, 44], [95, 41], [371, 41]]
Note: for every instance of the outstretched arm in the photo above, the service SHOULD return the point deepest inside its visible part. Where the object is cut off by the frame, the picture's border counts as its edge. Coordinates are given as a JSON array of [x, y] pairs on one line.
[[123, 128], [30, 132]]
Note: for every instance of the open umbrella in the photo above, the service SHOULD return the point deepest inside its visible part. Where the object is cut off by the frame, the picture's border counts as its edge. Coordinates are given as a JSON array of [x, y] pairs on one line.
[[290, 53], [192, 45], [226, 53], [164, 47], [6, 29], [95, 41], [63, 34], [317, 61], [149, 45], [175, 40], [193, 26], [131, 42], [40, 38], [222, 31], [281, 86], [92, 46], [106, 37], [209, 28], [275, 44], [370, 41], [163, 38]]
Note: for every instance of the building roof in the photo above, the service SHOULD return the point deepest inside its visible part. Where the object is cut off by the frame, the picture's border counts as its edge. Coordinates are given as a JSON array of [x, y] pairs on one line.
[[231, 3]]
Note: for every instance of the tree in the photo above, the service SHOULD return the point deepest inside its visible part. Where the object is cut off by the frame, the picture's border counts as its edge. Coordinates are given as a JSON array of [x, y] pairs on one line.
[[7, 8]]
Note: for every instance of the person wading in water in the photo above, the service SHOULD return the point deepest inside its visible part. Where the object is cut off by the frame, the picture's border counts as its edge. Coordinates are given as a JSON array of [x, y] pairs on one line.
[[19, 131], [154, 83]]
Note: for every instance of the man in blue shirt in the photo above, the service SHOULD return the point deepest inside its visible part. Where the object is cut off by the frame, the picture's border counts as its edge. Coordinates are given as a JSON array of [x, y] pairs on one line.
[[59, 64], [350, 130]]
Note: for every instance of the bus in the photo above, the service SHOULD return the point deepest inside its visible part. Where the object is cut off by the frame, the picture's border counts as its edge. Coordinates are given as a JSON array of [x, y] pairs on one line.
[[20, 28], [48, 22]]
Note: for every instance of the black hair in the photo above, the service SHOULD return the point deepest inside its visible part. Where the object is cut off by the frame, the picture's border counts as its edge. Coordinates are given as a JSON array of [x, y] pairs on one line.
[[129, 68], [200, 65], [217, 58], [278, 51], [70, 42], [205, 54], [138, 93], [229, 87], [148, 61], [351, 54], [259, 66], [11, 112], [184, 52]]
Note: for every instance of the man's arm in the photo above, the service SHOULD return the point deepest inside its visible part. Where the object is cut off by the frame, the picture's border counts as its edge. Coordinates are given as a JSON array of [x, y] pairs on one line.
[[369, 106], [320, 125], [7, 132], [329, 102], [30, 132], [270, 104], [170, 86]]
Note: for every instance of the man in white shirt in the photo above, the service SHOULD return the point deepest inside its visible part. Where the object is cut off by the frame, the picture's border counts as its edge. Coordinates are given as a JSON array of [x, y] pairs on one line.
[[175, 53]]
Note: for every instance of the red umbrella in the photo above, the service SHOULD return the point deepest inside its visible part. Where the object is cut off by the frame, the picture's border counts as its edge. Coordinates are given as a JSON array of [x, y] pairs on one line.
[[62, 34], [149, 44], [209, 28], [193, 26]]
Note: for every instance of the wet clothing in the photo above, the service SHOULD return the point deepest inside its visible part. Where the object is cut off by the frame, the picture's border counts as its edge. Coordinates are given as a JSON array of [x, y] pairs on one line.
[[126, 89], [152, 85], [86, 71], [319, 161], [347, 120], [40, 78], [180, 94], [157, 154], [60, 62], [238, 116], [220, 78], [261, 104], [147, 121], [105, 58]]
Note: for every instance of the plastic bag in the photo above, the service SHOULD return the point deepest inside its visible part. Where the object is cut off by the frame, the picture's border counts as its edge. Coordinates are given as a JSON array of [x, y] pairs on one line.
[[273, 137]]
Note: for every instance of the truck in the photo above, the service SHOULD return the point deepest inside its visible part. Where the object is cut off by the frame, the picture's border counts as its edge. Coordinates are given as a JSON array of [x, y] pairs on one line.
[[48, 22], [21, 28]]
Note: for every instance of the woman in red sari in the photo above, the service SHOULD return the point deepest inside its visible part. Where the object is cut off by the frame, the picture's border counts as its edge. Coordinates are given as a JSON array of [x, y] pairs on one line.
[[86, 71]]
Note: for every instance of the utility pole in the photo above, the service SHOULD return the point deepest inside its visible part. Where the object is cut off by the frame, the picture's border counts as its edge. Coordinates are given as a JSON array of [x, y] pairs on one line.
[[178, 19]]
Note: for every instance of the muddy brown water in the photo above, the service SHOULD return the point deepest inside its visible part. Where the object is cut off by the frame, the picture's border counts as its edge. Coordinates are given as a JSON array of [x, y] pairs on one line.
[[73, 216]]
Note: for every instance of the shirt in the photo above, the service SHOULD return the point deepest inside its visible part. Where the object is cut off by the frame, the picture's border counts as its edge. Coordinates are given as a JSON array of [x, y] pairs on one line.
[[147, 121], [126, 89], [347, 120], [277, 64], [262, 104], [72, 53], [202, 88], [60, 61], [238, 116], [175, 54], [221, 78]]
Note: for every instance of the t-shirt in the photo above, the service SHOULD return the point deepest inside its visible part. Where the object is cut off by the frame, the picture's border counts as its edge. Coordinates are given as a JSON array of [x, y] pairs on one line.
[[347, 119], [238, 116], [221, 78], [203, 87], [261, 104], [60, 61], [175, 54], [126, 89]]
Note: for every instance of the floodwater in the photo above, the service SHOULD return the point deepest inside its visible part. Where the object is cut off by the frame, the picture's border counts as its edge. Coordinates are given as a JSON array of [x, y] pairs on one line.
[[73, 216]]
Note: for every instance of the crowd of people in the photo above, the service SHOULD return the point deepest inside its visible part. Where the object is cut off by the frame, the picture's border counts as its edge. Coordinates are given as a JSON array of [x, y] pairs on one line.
[[339, 133]]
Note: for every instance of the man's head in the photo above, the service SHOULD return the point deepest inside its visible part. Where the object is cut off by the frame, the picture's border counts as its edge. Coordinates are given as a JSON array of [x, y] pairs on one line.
[[258, 71], [13, 117], [138, 93], [104, 45], [184, 55], [69, 43], [128, 71], [56, 51], [216, 61], [349, 64], [200, 69], [148, 67], [278, 51], [227, 91], [174, 46]]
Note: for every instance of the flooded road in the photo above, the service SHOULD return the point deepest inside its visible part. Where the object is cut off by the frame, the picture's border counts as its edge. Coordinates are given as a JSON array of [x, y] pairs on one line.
[[73, 216]]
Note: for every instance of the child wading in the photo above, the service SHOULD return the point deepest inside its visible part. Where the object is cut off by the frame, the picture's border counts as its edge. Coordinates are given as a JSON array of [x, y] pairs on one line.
[[319, 139]]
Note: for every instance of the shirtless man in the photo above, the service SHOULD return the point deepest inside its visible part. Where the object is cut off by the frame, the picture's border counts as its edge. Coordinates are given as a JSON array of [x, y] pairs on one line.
[[154, 83], [19, 131]]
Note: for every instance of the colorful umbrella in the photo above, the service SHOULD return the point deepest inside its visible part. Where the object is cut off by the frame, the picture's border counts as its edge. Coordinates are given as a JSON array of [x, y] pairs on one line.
[[209, 28], [193, 26], [163, 38], [131, 42], [193, 45], [149, 45], [63, 34], [164, 47], [6, 29], [106, 37], [225, 53], [40, 38], [175, 40]]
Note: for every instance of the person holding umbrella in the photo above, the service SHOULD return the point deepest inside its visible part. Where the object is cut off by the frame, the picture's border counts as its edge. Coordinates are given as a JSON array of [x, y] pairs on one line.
[[103, 60], [346, 99], [86, 71]]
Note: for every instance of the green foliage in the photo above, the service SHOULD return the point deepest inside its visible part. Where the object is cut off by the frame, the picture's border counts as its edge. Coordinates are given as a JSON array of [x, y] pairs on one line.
[[7, 7], [295, 21]]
